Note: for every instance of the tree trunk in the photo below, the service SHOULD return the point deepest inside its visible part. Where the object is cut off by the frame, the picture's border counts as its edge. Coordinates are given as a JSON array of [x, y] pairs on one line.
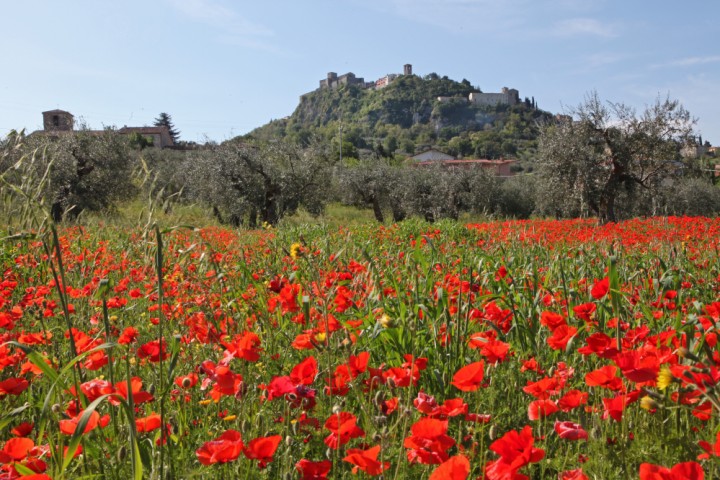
[[398, 212], [377, 210]]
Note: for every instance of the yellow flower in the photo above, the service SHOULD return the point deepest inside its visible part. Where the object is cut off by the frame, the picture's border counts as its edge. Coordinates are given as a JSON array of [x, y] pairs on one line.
[[665, 378], [386, 321], [320, 337], [230, 418], [205, 402], [648, 403], [296, 250]]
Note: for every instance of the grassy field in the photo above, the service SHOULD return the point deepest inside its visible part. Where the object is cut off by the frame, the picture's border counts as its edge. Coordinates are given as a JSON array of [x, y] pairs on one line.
[[551, 349]]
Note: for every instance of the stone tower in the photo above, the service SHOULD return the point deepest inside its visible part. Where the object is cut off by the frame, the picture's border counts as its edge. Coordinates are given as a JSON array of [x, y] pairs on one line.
[[407, 69], [57, 120]]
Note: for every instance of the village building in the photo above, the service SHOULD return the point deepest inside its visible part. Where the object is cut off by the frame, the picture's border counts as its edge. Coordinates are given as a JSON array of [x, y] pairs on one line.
[[500, 168], [61, 122]]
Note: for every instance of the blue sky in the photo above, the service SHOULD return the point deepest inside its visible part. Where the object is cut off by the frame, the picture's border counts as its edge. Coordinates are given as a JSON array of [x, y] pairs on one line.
[[222, 67]]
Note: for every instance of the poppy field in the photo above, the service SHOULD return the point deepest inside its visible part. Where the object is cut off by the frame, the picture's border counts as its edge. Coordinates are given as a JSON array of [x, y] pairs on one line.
[[502, 350]]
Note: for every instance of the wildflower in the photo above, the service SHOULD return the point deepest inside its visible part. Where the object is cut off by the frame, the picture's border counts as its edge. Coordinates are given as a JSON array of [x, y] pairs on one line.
[[148, 424], [428, 442], [600, 288], [386, 322], [366, 460], [313, 470], [570, 431], [664, 378], [16, 449], [470, 377], [516, 450], [226, 448], [681, 471], [68, 427], [296, 250], [541, 408], [455, 468], [343, 427], [262, 449], [648, 403]]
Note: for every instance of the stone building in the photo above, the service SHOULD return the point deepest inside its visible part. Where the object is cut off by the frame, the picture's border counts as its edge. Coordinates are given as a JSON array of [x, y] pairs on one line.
[[61, 122], [333, 81], [508, 96], [58, 121]]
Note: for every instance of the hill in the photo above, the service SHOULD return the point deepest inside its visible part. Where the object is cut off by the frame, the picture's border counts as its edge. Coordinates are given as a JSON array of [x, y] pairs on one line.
[[412, 114]]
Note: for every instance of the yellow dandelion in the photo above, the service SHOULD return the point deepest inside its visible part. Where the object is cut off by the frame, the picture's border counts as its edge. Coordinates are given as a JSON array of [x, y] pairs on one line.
[[648, 403], [664, 378], [386, 321], [296, 250]]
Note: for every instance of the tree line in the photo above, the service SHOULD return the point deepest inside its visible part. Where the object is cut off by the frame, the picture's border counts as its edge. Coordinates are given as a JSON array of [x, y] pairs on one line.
[[603, 159]]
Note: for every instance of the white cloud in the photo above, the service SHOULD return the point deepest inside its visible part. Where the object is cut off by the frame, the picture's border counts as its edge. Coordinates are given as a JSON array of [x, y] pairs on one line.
[[584, 26], [690, 61], [231, 26]]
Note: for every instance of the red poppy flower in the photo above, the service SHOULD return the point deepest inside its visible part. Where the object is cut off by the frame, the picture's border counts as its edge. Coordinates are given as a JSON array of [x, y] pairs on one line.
[[139, 395], [343, 428], [16, 449], [516, 450], [245, 346], [570, 431], [600, 288], [152, 351], [470, 377], [552, 320], [226, 448], [148, 424], [561, 336], [129, 335], [710, 450], [390, 405], [366, 460], [543, 388], [262, 449], [601, 345], [455, 468], [638, 366], [428, 442], [313, 470], [541, 408], [13, 386], [304, 373], [68, 427], [576, 474], [585, 311], [187, 381], [572, 399], [681, 471], [23, 430], [614, 407], [605, 377]]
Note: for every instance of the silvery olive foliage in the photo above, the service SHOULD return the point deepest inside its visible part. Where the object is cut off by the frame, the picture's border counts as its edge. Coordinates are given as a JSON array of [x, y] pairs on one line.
[[259, 182], [70, 172], [602, 153]]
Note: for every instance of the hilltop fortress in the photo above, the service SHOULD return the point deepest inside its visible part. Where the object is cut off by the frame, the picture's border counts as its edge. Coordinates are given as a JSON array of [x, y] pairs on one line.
[[508, 96]]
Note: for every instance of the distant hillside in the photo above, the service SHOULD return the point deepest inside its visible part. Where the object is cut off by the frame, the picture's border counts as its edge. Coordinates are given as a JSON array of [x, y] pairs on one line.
[[409, 115]]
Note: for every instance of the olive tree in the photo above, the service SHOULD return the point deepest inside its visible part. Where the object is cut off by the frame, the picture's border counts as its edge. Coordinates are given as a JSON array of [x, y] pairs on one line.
[[372, 182], [75, 171], [607, 150], [260, 181]]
